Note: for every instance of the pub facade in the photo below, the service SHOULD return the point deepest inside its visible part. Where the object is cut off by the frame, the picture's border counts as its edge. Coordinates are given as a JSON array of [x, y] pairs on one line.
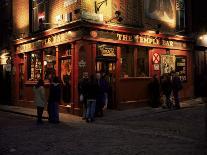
[[128, 44]]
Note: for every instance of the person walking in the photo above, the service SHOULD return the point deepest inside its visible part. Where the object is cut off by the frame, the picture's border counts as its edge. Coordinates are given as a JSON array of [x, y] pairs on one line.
[[177, 86], [40, 99], [54, 100], [91, 99], [154, 90], [82, 89]]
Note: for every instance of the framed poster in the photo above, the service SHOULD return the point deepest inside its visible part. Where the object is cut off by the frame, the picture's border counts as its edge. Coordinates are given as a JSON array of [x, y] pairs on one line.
[[167, 63], [181, 67]]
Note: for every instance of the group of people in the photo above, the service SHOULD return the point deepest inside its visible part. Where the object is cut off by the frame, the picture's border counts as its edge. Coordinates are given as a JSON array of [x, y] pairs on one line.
[[93, 92], [52, 101], [165, 90]]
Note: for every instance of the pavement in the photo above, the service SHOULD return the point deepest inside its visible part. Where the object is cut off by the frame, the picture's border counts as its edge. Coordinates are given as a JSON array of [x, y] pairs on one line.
[[108, 114]]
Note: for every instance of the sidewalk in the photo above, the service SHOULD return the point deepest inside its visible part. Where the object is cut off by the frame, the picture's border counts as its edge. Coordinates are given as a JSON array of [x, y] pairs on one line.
[[109, 114]]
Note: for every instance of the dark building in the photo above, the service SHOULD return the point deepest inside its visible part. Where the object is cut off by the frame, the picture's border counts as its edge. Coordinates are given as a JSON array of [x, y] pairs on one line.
[[199, 32], [5, 55]]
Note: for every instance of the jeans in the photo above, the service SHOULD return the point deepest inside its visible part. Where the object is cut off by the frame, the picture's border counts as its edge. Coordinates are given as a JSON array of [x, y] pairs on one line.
[[39, 114], [91, 107]]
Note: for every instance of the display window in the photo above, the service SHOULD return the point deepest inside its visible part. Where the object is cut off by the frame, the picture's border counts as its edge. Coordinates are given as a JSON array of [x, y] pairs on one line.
[[142, 62], [49, 63], [127, 61], [41, 64], [35, 65], [134, 64]]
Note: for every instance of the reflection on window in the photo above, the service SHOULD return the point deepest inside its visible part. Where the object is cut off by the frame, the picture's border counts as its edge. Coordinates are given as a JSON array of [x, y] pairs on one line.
[[49, 64], [142, 62], [127, 61], [35, 66], [38, 14]]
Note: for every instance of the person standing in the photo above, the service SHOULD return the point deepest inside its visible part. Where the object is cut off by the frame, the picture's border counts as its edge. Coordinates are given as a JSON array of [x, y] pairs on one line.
[[91, 99], [40, 99], [177, 86], [102, 94], [166, 87], [154, 90], [54, 100], [82, 89]]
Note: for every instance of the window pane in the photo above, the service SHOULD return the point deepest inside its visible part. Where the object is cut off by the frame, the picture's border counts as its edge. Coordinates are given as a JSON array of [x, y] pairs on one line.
[[142, 62], [49, 63], [127, 60], [35, 66], [38, 14]]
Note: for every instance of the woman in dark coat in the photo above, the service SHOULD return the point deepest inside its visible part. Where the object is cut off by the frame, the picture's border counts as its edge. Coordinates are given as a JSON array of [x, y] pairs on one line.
[[54, 100]]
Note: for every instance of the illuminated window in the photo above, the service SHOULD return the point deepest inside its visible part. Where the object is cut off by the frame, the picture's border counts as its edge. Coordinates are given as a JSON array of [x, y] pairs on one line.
[[35, 65], [41, 64], [38, 14], [49, 63]]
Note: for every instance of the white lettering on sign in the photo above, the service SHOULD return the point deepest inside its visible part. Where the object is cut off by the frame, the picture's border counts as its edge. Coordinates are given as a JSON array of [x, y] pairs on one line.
[[69, 2]]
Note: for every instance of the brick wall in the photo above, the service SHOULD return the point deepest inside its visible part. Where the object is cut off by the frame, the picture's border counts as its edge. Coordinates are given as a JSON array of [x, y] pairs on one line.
[[21, 16]]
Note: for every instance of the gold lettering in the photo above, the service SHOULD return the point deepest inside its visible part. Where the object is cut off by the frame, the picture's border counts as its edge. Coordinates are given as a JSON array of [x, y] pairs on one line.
[[119, 36], [124, 37]]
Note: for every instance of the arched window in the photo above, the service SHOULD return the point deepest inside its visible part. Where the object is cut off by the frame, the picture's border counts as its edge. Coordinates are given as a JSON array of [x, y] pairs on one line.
[[180, 14]]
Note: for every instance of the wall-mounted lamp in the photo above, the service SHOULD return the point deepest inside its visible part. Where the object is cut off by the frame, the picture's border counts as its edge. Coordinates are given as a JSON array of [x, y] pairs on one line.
[[117, 17], [98, 5]]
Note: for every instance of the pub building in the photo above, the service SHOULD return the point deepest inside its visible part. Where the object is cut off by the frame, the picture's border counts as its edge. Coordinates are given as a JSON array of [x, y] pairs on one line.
[[128, 56]]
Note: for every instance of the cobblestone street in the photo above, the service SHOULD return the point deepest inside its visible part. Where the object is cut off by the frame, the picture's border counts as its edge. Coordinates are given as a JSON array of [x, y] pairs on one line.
[[129, 132]]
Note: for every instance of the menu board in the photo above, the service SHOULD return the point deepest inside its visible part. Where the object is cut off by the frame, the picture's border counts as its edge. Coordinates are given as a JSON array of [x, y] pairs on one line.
[[181, 67]]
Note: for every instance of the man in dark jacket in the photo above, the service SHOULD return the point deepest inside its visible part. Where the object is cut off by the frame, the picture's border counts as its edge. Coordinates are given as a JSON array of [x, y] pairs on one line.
[[82, 89], [92, 89], [177, 86]]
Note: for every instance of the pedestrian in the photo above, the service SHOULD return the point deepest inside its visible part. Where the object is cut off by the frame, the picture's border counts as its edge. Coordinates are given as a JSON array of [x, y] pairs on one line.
[[177, 87], [40, 99], [154, 92], [82, 89], [91, 99], [54, 100], [166, 88], [102, 94]]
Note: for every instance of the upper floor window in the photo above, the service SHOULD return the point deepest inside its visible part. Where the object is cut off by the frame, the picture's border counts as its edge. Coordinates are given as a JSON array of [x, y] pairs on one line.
[[38, 14], [180, 14]]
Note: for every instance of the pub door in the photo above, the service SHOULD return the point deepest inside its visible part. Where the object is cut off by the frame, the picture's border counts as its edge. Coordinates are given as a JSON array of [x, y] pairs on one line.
[[107, 68]]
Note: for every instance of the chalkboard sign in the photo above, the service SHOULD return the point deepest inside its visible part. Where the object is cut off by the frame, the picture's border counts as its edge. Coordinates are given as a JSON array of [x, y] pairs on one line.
[[181, 67]]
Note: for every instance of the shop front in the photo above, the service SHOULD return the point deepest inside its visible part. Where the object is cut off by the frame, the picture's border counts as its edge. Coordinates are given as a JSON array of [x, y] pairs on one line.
[[127, 59], [131, 59]]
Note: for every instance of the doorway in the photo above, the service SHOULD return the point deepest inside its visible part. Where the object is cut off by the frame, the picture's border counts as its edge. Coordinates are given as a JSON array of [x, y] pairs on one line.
[[108, 68]]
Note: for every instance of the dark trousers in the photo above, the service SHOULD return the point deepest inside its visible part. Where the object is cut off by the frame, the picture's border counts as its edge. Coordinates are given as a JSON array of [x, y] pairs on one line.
[[39, 114], [176, 99]]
